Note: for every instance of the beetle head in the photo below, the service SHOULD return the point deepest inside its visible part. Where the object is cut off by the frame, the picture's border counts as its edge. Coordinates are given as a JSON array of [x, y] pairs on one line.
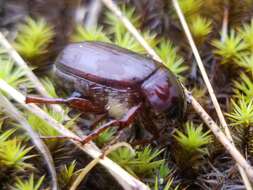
[[164, 93]]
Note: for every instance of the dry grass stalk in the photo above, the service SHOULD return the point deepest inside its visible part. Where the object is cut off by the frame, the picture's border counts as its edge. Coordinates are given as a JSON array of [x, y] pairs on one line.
[[224, 28], [94, 162], [93, 14], [83, 173]]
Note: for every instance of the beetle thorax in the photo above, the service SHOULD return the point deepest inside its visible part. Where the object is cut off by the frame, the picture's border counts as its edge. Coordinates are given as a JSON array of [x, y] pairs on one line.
[[161, 92]]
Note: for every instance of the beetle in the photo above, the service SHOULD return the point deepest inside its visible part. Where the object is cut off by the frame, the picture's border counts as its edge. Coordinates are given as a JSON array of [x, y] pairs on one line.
[[117, 82]]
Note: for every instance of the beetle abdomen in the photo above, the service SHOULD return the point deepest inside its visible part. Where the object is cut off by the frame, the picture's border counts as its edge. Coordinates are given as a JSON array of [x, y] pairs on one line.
[[105, 64], [115, 101]]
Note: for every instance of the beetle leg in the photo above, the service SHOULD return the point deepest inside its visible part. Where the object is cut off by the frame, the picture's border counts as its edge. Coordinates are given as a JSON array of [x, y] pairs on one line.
[[122, 123], [73, 102]]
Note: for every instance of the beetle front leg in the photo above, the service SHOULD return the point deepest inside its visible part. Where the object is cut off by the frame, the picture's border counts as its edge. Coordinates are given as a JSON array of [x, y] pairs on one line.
[[128, 118], [73, 102]]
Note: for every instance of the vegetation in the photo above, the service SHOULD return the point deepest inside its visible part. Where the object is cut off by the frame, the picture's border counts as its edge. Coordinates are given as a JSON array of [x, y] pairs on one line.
[[194, 138], [141, 163], [231, 49], [186, 155], [28, 184], [34, 38]]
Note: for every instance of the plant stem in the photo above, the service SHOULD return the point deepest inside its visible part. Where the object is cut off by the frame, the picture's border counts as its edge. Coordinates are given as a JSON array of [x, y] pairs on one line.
[[224, 29], [94, 162], [93, 14]]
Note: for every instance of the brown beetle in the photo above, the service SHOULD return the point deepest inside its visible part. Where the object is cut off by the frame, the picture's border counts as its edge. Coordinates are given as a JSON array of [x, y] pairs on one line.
[[120, 83]]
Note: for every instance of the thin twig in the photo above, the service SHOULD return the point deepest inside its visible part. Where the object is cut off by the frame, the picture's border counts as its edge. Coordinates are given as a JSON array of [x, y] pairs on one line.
[[83, 173], [12, 111], [224, 29], [205, 77], [213, 126], [81, 12], [93, 14], [94, 162], [127, 181]]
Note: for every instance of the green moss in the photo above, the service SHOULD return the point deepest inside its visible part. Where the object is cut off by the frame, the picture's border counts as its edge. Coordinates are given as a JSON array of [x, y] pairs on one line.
[[190, 7], [141, 163], [170, 58], [29, 184], [246, 31], [247, 63], [66, 174], [13, 154], [242, 112], [13, 75], [93, 34], [116, 26], [33, 38], [193, 139], [105, 137], [243, 86], [200, 28], [231, 49]]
